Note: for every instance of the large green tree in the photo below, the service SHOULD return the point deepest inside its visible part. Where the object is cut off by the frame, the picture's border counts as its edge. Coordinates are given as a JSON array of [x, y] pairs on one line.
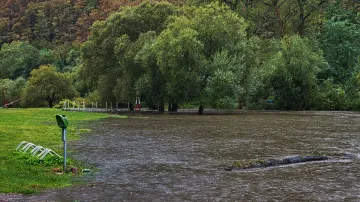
[[18, 59], [151, 84], [132, 69], [13, 89], [108, 55], [293, 73], [222, 90], [47, 85], [340, 41], [236, 78], [185, 50]]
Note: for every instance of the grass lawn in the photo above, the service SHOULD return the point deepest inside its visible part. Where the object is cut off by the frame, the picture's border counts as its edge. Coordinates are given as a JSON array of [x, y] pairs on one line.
[[39, 127]]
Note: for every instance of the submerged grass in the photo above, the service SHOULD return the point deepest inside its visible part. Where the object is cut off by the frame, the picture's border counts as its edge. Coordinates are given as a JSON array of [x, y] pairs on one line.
[[261, 163], [39, 127]]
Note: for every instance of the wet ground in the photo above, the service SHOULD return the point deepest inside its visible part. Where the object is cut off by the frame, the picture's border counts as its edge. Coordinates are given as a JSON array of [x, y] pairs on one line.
[[151, 157]]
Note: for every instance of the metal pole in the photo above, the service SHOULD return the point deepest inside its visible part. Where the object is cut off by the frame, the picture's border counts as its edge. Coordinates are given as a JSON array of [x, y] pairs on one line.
[[64, 140]]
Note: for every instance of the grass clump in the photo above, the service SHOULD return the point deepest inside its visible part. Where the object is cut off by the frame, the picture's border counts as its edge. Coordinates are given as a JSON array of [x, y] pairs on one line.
[[262, 163], [118, 116], [22, 173], [50, 161]]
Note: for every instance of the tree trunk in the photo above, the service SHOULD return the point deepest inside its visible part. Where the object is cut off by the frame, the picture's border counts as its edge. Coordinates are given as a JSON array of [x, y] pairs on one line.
[[201, 110], [241, 103], [50, 102], [174, 107], [278, 16], [169, 107], [301, 17], [161, 107]]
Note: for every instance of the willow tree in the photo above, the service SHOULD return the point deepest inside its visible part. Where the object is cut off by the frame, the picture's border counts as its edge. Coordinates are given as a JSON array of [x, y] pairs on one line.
[[292, 73], [186, 48], [102, 65]]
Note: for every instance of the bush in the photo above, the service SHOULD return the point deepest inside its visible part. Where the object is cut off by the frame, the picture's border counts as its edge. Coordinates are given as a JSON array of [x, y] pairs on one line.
[[48, 161]]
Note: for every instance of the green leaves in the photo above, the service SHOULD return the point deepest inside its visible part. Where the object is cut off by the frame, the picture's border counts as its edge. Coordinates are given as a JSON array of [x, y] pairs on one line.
[[13, 89], [185, 49], [178, 47], [341, 44], [110, 54], [45, 84], [18, 59], [202, 54], [222, 88], [292, 73], [162, 55]]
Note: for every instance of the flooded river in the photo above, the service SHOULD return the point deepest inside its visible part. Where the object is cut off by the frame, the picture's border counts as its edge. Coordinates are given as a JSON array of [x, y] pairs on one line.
[[167, 157]]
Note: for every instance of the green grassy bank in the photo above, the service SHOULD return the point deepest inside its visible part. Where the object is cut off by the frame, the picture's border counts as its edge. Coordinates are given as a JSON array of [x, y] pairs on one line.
[[39, 127]]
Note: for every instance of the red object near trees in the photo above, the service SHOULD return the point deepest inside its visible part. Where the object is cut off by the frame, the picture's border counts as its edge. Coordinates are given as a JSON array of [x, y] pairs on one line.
[[137, 104], [137, 107]]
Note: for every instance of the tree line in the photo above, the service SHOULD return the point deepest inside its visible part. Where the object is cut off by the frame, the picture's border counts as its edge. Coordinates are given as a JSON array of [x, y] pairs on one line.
[[273, 54]]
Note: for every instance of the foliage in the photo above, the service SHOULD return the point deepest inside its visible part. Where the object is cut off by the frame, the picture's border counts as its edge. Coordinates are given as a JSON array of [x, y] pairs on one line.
[[331, 96], [50, 23], [179, 57], [45, 84], [48, 161], [222, 54], [292, 73], [237, 77], [278, 18], [151, 84], [18, 59], [93, 96], [222, 90], [108, 56], [13, 88], [185, 49], [126, 52], [340, 41]]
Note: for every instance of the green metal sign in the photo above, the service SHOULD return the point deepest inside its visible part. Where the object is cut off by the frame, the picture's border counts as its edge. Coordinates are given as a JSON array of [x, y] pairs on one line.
[[62, 121]]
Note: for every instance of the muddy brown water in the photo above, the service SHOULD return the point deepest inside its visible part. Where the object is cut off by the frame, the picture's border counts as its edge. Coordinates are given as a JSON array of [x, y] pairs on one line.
[[182, 158]]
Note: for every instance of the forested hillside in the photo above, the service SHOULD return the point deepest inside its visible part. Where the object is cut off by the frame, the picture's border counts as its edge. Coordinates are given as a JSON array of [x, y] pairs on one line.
[[252, 54]]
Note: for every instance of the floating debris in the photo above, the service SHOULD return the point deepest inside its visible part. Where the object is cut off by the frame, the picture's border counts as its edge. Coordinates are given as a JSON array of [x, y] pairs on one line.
[[86, 170]]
